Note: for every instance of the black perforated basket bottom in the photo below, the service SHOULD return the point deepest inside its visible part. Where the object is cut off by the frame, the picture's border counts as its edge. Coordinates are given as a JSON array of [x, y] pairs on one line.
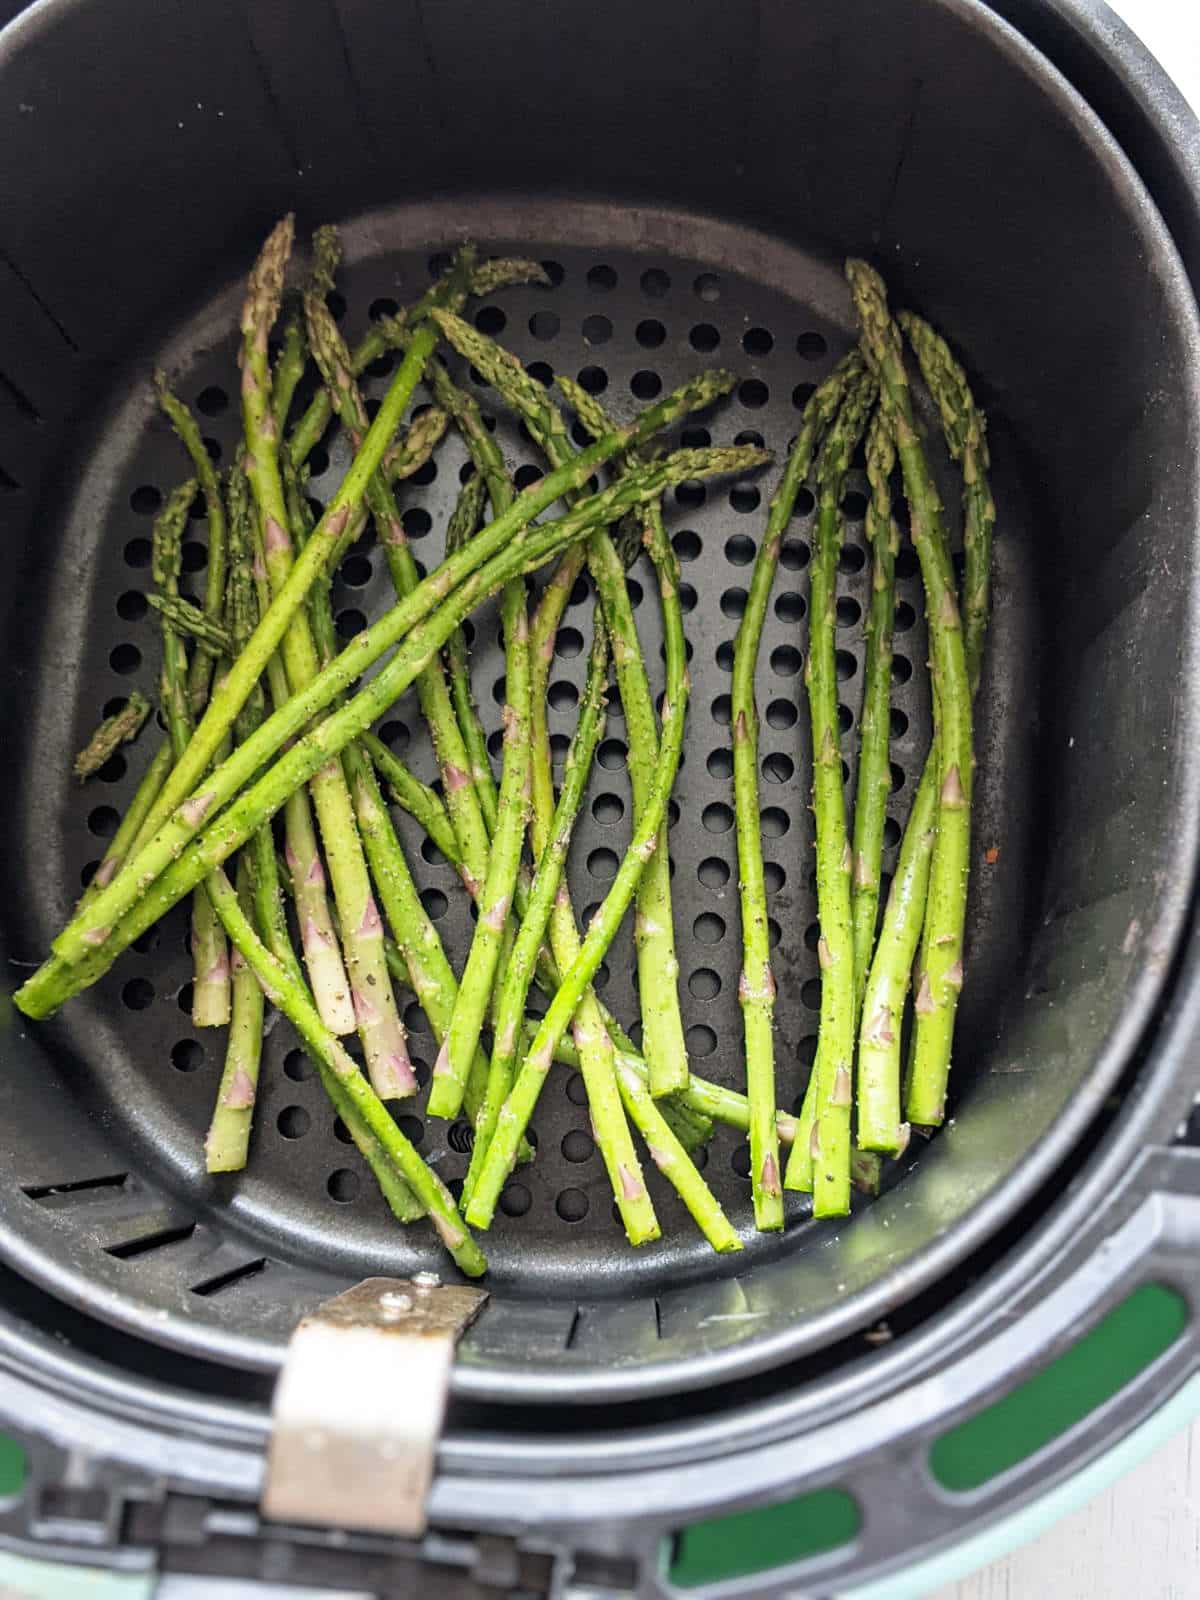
[[629, 324]]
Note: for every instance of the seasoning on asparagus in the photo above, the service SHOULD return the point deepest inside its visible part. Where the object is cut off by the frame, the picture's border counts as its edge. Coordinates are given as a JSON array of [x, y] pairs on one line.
[[941, 980], [228, 1139], [756, 984], [193, 622], [122, 727], [832, 1069]]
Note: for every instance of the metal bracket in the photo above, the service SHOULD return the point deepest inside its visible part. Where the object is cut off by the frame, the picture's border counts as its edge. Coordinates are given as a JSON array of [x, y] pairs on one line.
[[359, 1405]]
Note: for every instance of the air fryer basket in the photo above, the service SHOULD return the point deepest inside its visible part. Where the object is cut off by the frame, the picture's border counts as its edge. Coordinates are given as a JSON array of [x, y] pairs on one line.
[[692, 194]]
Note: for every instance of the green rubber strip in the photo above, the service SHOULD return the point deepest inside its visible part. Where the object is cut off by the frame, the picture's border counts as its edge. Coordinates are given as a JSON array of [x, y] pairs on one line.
[[1010, 1533]]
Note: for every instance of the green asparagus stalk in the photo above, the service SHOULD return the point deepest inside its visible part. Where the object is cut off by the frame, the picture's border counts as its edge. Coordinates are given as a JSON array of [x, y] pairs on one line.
[[965, 429], [878, 1068], [113, 732], [379, 1025], [201, 670], [658, 965], [577, 975], [334, 1064], [874, 774], [518, 974], [883, 1008], [413, 796], [756, 986], [90, 943], [327, 976], [132, 823], [464, 520], [462, 804], [289, 364], [210, 990], [475, 991], [193, 622], [941, 980], [830, 1146], [670, 1155], [228, 1138]]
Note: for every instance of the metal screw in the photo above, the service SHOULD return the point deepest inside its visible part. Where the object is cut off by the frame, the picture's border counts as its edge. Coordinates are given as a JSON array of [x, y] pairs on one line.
[[423, 1282], [393, 1304]]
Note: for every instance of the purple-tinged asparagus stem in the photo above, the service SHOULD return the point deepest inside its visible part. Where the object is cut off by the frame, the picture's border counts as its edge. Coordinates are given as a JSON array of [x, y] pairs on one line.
[[376, 1015], [228, 1139]]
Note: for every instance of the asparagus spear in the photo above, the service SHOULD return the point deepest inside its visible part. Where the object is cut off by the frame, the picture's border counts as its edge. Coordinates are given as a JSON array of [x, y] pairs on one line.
[[883, 1009], [126, 837], [413, 796], [112, 733], [835, 948], [552, 859], [756, 986], [878, 1087], [210, 992], [463, 522], [379, 1025], [874, 774], [322, 955], [188, 619], [658, 966], [228, 1139], [577, 974], [462, 803], [291, 361], [201, 670], [87, 945], [335, 1065], [965, 430], [941, 980]]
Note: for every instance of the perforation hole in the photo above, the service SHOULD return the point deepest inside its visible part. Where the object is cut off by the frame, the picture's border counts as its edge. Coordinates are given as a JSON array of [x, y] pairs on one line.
[[297, 1066], [572, 1205], [704, 984], [602, 864], [690, 494], [758, 342], [687, 544], [343, 1185], [708, 928], [722, 710], [563, 696], [612, 754], [852, 558], [720, 764], [594, 380], [733, 602], [293, 1122], [578, 1145], [745, 497], [774, 822], [212, 401], [187, 1055], [846, 665], [898, 723], [786, 661], [790, 606], [905, 618], [713, 872], [608, 809], [717, 817], [645, 385], [849, 612], [707, 287], [597, 330], [125, 658], [103, 821], [778, 768], [146, 500], [802, 394], [739, 551], [601, 278], [901, 668], [811, 346], [704, 338], [724, 655]]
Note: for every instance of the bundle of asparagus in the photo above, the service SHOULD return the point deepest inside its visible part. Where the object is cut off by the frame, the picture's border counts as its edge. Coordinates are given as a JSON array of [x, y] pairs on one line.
[[270, 763]]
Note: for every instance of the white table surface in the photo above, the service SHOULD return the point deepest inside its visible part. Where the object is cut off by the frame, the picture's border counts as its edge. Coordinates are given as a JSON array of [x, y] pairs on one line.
[[1140, 1540]]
